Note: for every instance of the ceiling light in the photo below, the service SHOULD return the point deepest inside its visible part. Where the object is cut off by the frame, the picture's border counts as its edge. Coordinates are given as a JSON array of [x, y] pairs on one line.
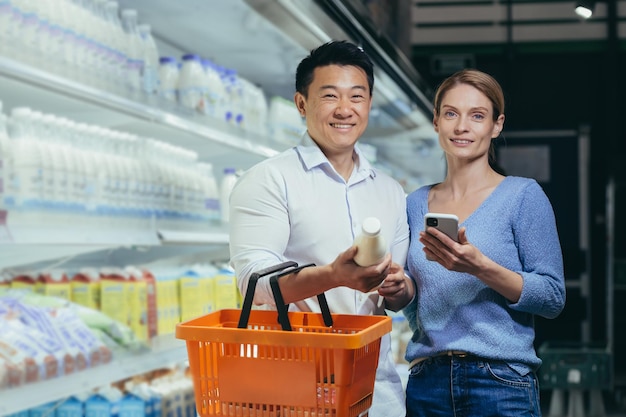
[[584, 8]]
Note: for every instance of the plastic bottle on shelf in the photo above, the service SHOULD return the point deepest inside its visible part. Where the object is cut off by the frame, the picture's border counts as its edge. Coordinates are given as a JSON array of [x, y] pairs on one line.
[[5, 156], [228, 182], [150, 75], [284, 122], [234, 93], [168, 77], [372, 247], [190, 83], [135, 62], [27, 158], [215, 92], [210, 205], [117, 41]]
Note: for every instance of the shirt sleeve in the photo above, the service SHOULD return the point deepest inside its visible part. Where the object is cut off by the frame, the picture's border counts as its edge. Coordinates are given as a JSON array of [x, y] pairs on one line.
[[259, 227], [539, 250]]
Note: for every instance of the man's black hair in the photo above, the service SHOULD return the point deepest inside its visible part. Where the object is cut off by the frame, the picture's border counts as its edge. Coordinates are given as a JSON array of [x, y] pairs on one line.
[[341, 53]]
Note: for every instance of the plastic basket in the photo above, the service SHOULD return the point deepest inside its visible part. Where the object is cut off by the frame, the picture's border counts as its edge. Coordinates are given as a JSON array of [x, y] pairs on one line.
[[259, 369]]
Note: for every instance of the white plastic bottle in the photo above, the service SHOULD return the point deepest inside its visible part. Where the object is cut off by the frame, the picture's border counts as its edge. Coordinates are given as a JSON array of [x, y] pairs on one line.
[[6, 157], [191, 82], [210, 205], [371, 244], [226, 186], [134, 56], [150, 76], [215, 92], [168, 76]]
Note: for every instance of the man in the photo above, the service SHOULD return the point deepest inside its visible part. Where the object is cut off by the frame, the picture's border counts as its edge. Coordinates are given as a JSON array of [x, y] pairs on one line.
[[307, 205]]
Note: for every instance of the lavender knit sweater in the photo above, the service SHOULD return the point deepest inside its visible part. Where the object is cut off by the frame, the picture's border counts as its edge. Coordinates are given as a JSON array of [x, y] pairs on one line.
[[514, 227]]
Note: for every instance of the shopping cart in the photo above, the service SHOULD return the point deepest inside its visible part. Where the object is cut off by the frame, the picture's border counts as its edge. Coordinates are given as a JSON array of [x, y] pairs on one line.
[[252, 363]]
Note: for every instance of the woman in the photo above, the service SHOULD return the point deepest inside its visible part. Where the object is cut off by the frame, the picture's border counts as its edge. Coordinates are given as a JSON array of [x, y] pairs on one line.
[[472, 351]]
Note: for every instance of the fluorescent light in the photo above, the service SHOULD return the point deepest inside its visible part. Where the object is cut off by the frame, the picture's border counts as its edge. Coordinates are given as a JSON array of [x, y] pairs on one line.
[[584, 9]]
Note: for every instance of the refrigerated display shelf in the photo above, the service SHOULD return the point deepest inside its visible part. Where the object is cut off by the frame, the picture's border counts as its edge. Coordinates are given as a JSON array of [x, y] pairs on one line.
[[34, 257], [25, 85], [163, 351]]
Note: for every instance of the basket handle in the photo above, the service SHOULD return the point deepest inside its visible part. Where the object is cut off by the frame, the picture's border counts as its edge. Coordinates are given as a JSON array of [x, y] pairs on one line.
[[247, 302], [283, 317]]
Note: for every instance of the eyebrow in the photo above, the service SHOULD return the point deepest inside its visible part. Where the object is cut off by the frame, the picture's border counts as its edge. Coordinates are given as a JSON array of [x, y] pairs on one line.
[[448, 106], [334, 87]]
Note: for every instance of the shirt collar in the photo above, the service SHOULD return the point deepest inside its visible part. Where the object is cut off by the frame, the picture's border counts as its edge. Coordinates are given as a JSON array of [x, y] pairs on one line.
[[312, 156]]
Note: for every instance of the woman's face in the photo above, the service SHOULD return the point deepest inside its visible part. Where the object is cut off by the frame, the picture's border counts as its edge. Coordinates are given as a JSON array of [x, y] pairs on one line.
[[465, 123], [337, 107]]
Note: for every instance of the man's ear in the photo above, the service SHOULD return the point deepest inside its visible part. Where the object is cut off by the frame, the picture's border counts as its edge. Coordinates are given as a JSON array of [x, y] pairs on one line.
[[300, 101]]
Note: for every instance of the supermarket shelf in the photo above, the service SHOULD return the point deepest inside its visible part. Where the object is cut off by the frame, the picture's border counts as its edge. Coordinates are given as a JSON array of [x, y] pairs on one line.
[[177, 237], [33, 244], [164, 350], [24, 85]]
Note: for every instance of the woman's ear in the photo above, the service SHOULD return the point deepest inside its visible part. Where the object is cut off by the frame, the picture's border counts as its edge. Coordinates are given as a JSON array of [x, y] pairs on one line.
[[498, 126]]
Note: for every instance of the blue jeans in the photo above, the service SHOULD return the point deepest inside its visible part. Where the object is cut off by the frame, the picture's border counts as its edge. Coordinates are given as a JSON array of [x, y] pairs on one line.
[[470, 387]]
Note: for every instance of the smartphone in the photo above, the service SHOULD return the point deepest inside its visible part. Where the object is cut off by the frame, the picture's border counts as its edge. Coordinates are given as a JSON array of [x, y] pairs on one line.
[[447, 223]]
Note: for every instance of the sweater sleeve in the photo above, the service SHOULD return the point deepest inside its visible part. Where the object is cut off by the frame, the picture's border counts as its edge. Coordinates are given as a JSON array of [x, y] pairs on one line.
[[539, 249]]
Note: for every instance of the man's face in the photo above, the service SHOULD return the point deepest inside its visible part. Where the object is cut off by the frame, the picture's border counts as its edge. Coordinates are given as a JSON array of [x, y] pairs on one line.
[[337, 107]]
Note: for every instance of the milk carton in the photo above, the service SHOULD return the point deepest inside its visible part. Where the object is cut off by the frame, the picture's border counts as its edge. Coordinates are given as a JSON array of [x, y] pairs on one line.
[[85, 288]]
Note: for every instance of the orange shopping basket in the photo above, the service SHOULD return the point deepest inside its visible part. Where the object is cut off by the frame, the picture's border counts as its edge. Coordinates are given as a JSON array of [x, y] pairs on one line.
[[252, 363]]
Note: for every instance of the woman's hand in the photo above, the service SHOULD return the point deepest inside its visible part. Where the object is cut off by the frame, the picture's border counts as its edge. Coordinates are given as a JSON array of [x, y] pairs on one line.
[[397, 288], [459, 257], [465, 257]]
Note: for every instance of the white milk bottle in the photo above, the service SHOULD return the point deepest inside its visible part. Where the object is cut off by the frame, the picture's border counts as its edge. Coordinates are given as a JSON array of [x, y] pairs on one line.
[[215, 92], [190, 83], [371, 244], [150, 76], [168, 78], [210, 191], [134, 63], [226, 186]]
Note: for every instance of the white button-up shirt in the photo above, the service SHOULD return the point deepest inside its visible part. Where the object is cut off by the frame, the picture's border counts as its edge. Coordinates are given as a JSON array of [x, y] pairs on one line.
[[296, 207]]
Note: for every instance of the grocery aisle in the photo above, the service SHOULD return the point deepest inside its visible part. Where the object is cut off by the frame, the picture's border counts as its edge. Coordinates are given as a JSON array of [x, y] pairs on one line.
[[120, 125]]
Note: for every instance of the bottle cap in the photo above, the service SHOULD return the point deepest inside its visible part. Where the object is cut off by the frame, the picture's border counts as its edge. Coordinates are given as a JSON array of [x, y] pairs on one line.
[[371, 226]]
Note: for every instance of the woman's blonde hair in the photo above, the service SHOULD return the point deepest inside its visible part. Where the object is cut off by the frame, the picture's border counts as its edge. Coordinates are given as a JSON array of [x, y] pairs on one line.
[[484, 83], [481, 81]]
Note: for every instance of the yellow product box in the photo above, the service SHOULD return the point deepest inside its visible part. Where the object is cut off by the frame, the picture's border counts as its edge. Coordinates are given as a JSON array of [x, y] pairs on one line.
[[191, 295], [54, 284], [138, 307], [4, 287], [168, 306], [85, 289], [207, 285], [174, 303], [23, 282], [113, 297], [226, 291], [161, 306]]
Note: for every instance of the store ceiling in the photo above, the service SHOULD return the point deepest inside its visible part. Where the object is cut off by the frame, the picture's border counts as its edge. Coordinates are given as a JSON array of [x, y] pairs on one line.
[[471, 22]]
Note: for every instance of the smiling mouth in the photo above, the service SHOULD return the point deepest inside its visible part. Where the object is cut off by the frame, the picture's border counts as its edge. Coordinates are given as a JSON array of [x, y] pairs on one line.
[[462, 141], [341, 125]]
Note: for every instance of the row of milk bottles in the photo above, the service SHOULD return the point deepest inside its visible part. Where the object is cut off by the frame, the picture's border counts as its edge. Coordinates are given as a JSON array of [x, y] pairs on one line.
[[91, 41], [201, 85], [53, 165], [96, 43]]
